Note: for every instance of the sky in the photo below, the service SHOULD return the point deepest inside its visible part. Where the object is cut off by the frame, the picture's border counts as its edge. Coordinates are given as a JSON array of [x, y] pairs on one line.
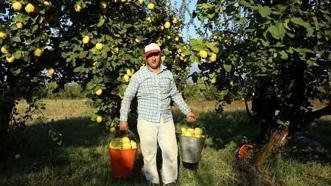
[[190, 32]]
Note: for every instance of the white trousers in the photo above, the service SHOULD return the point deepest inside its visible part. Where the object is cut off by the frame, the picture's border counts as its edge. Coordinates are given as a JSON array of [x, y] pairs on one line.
[[163, 134]]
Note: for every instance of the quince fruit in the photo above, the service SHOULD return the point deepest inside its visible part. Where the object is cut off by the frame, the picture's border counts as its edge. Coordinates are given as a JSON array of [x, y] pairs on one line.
[[4, 50], [167, 24], [10, 58], [99, 46], [19, 25], [17, 6], [86, 39], [50, 71], [212, 57], [29, 8], [203, 53], [98, 92], [38, 52], [151, 6], [99, 119]]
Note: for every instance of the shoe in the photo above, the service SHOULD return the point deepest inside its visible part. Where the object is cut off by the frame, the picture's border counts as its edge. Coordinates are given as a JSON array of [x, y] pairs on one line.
[[170, 184]]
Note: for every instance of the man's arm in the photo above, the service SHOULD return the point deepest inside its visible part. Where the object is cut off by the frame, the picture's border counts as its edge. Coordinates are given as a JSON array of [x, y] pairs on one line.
[[129, 94], [178, 99]]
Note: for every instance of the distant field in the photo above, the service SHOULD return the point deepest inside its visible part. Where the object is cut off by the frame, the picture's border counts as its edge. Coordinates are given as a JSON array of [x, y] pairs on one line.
[[82, 158]]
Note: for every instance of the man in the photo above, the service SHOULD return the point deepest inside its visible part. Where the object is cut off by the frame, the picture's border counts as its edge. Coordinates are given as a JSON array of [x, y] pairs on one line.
[[154, 87]]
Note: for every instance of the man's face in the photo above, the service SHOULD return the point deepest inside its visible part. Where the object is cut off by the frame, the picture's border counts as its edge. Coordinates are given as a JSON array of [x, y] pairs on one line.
[[153, 60]]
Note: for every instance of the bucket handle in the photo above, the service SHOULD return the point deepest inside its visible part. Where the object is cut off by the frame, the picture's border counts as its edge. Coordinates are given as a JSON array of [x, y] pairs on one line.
[[120, 133]]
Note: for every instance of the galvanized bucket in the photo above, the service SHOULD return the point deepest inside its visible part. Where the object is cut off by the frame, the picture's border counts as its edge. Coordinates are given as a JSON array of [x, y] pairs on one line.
[[191, 148]]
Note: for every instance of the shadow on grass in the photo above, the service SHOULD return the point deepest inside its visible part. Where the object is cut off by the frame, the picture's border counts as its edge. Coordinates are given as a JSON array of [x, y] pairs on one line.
[[320, 132], [235, 127], [81, 133], [41, 150]]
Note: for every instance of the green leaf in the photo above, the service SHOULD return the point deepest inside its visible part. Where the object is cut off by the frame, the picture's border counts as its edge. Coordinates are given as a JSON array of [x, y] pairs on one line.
[[18, 54], [301, 22], [90, 85], [286, 24], [35, 27], [277, 31], [197, 44], [101, 21], [194, 58], [213, 47], [78, 69], [283, 123], [264, 11], [16, 71], [265, 42], [227, 67], [310, 62], [16, 39], [283, 55]]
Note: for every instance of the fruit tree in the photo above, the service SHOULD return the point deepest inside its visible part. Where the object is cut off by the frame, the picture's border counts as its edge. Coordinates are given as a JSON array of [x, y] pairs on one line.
[[275, 53], [98, 44], [104, 43]]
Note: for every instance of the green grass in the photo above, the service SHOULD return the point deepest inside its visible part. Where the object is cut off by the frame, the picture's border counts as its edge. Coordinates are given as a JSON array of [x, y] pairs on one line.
[[83, 159]]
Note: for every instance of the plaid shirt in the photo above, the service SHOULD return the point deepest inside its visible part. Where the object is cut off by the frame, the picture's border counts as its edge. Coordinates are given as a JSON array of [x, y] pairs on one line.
[[153, 91]]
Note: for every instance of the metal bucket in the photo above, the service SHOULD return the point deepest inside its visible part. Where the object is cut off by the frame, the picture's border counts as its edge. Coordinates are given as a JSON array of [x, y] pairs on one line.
[[191, 148]]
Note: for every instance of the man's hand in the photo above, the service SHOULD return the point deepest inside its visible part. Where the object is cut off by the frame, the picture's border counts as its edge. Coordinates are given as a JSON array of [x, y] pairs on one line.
[[124, 125], [190, 117]]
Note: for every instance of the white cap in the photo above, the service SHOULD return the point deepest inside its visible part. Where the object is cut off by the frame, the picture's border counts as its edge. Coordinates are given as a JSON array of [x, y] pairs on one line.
[[152, 48]]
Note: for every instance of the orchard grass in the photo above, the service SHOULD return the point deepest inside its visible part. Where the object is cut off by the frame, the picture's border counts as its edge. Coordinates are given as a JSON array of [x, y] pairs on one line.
[[82, 158]]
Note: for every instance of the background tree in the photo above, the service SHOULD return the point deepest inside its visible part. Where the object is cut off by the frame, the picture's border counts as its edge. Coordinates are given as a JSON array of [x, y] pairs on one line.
[[104, 44], [275, 52], [28, 60], [98, 44]]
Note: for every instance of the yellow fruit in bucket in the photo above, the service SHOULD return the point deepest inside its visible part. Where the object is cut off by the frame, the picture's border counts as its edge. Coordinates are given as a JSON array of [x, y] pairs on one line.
[[198, 131], [127, 145], [188, 133], [133, 144], [190, 130], [115, 144], [125, 140]]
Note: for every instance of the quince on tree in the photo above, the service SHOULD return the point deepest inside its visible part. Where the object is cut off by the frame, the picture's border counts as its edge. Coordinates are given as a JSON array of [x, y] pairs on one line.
[[29, 8], [17, 6]]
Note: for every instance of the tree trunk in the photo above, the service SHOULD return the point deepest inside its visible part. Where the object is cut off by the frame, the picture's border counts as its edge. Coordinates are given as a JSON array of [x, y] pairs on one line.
[[5, 114], [264, 105], [276, 140]]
